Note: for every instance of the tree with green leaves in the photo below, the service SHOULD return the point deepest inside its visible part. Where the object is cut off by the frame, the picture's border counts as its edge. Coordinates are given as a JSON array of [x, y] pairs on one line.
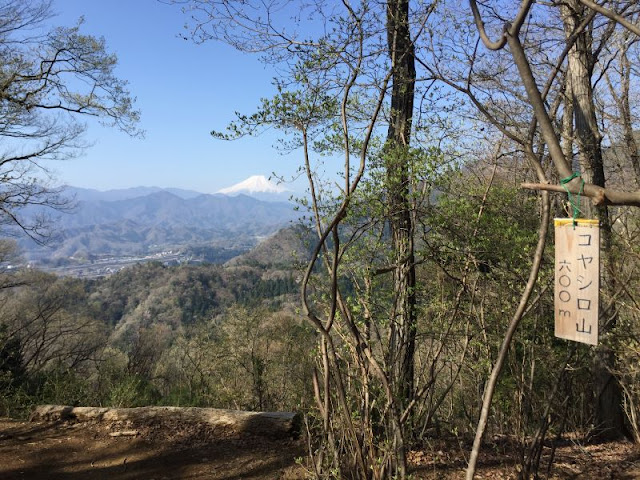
[[376, 84], [543, 65], [50, 78], [349, 77]]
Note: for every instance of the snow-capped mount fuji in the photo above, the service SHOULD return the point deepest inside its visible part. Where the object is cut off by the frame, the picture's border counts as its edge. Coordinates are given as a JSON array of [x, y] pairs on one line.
[[258, 186]]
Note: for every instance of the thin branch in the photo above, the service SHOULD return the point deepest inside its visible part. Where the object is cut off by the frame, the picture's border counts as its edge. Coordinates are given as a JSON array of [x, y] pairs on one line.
[[511, 330], [612, 15]]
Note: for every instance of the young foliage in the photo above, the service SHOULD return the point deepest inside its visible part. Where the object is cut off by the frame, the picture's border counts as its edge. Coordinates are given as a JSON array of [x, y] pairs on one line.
[[49, 80]]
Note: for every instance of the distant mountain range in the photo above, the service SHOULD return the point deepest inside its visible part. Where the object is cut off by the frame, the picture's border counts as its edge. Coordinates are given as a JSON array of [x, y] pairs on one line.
[[256, 186], [90, 195], [148, 219]]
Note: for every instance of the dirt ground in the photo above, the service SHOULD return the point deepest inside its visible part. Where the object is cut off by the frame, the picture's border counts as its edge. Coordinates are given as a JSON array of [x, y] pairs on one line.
[[86, 451], [79, 451], [498, 461]]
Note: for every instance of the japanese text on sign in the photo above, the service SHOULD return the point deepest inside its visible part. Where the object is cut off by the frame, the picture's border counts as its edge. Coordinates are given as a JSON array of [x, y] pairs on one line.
[[577, 279]]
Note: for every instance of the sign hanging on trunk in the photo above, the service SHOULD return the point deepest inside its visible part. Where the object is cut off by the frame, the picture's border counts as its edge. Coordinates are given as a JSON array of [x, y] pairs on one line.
[[577, 279]]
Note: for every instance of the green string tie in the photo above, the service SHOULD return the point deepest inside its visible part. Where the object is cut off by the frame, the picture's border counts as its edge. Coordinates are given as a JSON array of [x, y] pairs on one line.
[[575, 205]]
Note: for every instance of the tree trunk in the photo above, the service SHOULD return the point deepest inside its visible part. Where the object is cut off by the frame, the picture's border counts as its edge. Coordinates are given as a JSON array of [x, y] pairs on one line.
[[609, 413], [403, 323], [624, 106]]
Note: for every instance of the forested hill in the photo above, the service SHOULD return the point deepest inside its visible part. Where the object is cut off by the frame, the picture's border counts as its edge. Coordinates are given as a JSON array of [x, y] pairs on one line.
[[208, 335], [151, 293]]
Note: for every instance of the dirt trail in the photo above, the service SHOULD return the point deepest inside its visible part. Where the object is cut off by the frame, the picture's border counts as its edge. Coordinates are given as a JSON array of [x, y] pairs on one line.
[[83, 451], [90, 451]]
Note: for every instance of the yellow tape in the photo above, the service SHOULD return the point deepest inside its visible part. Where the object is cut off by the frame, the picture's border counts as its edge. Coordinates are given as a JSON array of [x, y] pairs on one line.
[[580, 222]]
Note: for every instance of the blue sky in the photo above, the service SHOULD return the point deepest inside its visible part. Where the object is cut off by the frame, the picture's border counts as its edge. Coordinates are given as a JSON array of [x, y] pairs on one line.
[[184, 91]]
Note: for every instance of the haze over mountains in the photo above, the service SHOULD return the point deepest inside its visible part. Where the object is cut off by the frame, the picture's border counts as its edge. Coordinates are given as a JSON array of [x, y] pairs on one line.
[[256, 186], [147, 220]]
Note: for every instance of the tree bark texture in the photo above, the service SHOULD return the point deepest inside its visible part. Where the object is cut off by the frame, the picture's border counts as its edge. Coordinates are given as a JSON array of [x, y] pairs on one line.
[[403, 323], [579, 74], [630, 142], [609, 413], [402, 335]]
